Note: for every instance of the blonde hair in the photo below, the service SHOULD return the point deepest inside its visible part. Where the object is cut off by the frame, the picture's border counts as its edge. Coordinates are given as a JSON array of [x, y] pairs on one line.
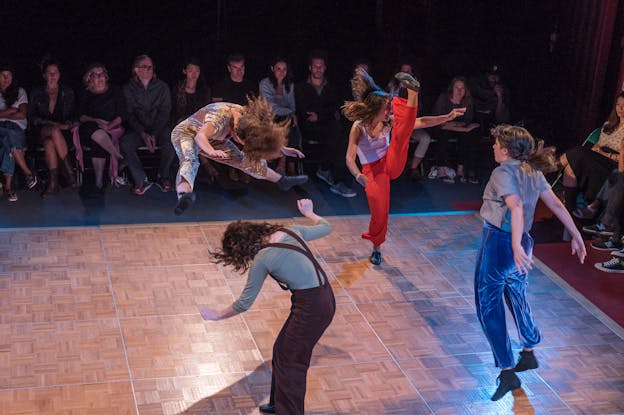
[[88, 75], [258, 130]]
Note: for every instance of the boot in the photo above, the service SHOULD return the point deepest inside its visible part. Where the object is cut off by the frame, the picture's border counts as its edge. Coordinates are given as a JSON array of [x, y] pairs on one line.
[[53, 185], [68, 172]]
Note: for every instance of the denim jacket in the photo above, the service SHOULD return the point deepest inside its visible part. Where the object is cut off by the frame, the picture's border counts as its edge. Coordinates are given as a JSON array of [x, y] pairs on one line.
[[38, 106]]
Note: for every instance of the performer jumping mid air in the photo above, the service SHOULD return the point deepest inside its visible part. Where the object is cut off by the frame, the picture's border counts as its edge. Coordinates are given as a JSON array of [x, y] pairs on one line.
[[505, 255], [267, 249], [381, 153], [211, 131]]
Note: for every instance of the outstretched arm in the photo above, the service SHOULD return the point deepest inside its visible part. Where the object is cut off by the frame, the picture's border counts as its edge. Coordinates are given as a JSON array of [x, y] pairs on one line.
[[555, 205], [214, 315], [432, 121]]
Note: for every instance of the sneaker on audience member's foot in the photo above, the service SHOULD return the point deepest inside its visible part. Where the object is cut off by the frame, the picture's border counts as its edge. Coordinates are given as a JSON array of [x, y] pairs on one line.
[[614, 265], [287, 182], [142, 188], [31, 181], [607, 244], [343, 190], [164, 185], [326, 176], [507, 381], [618, 254], [527, 361], [433, 173], [11, 195], [598, 229]]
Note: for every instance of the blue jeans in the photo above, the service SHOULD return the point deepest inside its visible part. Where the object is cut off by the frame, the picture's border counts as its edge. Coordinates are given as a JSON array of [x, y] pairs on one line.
[[11, 137], [497, 278]]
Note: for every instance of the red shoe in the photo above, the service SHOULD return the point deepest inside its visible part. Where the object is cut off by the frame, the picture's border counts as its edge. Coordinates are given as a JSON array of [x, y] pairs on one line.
[[142, 188]]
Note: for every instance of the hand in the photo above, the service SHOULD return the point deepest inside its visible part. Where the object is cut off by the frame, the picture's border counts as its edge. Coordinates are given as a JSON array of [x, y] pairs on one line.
[[456, 112], [217, 154], [103, 124], [498, 90], [292, 152], [209, 314], [522, 260], [578, 248], [305, 206], [150, 142], [361, 179], [312, 116]]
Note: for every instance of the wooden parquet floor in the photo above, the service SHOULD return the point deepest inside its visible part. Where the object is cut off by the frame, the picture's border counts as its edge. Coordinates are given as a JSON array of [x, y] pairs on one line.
[[105, 320]]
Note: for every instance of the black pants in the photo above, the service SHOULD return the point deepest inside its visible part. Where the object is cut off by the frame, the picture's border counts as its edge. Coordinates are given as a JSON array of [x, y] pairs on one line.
[[614, 212], [132, 140], [311, 312]]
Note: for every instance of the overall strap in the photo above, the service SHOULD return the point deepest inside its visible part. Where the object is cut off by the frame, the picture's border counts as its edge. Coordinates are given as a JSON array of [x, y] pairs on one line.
[[305, 251]]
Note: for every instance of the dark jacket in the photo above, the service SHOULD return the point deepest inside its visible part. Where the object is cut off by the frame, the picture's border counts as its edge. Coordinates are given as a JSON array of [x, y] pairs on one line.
[[148, 108], [324, 104], [39, 103]]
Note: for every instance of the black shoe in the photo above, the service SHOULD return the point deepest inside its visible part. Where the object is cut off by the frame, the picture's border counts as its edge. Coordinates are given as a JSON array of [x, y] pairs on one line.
[[527, 361], [508, 381], [286, 182], [375, 258], [267, 408], [611, 244], [598, 229], [185, 200], [407, 81]]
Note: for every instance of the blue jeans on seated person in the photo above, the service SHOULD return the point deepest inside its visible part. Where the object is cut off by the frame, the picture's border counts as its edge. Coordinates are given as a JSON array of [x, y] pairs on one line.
[[11, 137], [497, 278]]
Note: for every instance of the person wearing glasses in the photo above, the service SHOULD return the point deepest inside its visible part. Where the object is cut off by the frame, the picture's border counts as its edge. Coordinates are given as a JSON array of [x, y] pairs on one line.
[[149, 106]]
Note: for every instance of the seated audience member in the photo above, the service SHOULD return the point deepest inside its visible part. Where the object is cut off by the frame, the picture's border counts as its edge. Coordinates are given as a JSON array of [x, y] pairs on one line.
[[279, 90], [317, 113], [586, 169], [609, 228], [51, 115], [463, 129], [491, 98], [101, 110], [13, 123], [190, 93], [420, 136], [148, 103], [235, 88]]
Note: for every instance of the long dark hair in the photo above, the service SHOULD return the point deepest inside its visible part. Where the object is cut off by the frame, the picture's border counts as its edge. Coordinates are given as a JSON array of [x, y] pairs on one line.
[[201, 89], [466, 98], [613, 121], [521, 145], [241, 242], [369, 98], [12, 92], [288, 80]]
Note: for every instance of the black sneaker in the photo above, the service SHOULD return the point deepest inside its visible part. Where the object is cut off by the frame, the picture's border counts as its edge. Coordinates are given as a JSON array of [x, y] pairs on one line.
[[185, 200], [527, 361], [614, 265], [286, 182], [376, 258], [606, 244], [31, 181], [343, 190], [598, 229], [618, 254], [267, 408], [507, 381]]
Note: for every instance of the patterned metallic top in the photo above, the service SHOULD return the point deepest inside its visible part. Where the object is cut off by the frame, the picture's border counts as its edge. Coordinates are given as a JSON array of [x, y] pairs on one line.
[[218, 114]]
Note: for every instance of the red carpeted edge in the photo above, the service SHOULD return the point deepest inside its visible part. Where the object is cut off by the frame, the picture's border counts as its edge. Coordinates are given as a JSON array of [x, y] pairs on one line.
[[604, 290]]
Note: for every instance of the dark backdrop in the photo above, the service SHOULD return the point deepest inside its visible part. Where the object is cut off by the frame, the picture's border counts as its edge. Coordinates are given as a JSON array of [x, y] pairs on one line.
[[443, 38]]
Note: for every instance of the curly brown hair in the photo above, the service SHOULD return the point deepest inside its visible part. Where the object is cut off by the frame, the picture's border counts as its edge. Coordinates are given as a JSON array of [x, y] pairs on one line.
[[241, 242], [521, 145], [262, 135], [370, 99]]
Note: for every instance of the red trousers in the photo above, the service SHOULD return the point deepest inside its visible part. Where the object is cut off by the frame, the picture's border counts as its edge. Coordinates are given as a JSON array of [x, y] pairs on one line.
[[380, 172]]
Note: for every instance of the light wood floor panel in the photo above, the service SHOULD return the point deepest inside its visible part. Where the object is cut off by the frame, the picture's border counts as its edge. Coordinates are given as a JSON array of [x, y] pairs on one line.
[[106, 320], [38, 296], [50, 250], [90, 399], [67, 352]]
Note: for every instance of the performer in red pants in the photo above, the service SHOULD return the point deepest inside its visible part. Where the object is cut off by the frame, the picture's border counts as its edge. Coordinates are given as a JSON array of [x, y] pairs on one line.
[[381, 153]]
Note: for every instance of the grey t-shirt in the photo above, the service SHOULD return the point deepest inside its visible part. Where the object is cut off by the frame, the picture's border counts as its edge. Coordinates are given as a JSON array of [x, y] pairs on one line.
[[508, 179]]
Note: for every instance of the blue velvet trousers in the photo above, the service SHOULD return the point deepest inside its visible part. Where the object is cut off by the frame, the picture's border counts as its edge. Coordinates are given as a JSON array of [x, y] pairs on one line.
[[498, 281]]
